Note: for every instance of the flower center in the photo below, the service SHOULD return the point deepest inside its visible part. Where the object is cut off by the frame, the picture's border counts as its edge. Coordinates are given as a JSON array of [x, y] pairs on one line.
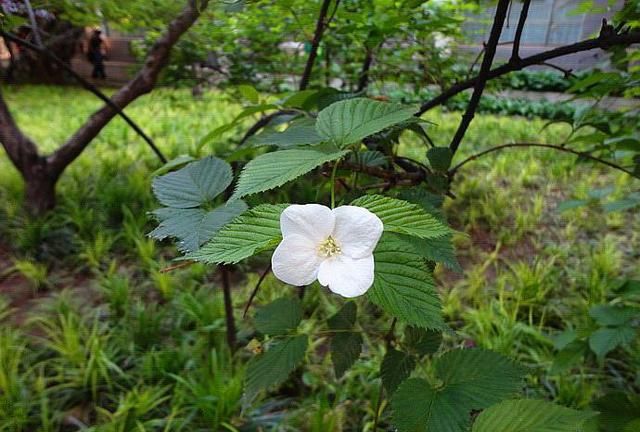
[[329, 247]]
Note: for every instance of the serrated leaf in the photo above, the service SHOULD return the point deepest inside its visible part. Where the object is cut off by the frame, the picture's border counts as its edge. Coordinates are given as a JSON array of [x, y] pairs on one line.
[[480, 377], [345, 350], [470, 380], [403, 217], [280, 317], [617, 411], [345, 345], [440, 158], [396, 367], [371, 158], [349, 121], [606, 339], [274, 366], [528, 415], [194, 185], [609, 315], [301, 132], [345, 318], [421, 341], [403, 286], [255, 231], [439, 250], [274, 169], [194, 226]]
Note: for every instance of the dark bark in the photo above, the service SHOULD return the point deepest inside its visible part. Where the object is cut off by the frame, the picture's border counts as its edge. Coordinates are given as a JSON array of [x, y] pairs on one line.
[[515, 53], [604, 41], [228, 308], [363, 80], [321, 25], [485, 68]]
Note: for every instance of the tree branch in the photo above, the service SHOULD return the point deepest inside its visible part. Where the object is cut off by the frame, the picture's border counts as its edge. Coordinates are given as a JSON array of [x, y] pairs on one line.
[[321, 25], [485, 68], [18, 146], [86, 84], [581, 154], [142, 83], [603, 41], [515, 53]]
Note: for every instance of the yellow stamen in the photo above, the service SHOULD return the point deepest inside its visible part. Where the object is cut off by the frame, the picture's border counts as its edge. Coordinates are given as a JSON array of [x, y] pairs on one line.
[[329, 247]]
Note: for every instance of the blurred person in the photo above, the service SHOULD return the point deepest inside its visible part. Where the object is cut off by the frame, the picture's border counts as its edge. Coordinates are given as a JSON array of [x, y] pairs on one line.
[[96, 50]]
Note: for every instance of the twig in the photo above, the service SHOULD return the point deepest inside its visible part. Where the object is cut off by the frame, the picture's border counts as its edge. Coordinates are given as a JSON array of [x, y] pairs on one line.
[[566, 72], [388, 339], [86, 84], [483, 76], [177, 266], [228, 308], [262, 122], [515, 53], [605, 40], [255, 290], [585, 155], [321, 25]]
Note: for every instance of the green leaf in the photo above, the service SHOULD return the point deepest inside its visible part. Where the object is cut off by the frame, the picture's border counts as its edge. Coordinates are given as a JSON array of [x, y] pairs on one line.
[[346, 346], [617, 411], [396, 367], [301, 132], [255, 231], [609, 315], [527, 415], [345, 318], [469, 380], [403, 286], [403, 217], [571, 204], [605, 340], [371, 158], [274, 366], [440, 158], [345, 350], [249, 93], [194, 226], [422, 342], [568, 357], [194, 185], [350, 121], [173, 163], [280, 317], [271, 170], [439, 250]]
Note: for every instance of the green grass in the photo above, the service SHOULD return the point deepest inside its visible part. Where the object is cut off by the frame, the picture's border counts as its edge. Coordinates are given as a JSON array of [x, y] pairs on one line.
[[101, 337]]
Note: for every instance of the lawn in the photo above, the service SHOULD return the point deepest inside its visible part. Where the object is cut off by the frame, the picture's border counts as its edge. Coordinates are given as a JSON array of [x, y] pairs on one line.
[[96, 333]]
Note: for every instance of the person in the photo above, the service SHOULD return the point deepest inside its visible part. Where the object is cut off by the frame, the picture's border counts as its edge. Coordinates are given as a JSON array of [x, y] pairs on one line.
[[96, 53]]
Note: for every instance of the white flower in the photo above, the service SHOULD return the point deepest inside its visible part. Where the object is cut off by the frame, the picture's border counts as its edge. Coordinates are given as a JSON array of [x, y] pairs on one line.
[[334, 246]]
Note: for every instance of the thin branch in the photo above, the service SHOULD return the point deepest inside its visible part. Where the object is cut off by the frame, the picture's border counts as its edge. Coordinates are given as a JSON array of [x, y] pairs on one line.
[[515, 53], [566, 72], [263, 122], [255, 290], [34, 23], [86, 84], [144, 81], [605, 40], [228, 308], [485, 68], [578, 153], [321, 25]]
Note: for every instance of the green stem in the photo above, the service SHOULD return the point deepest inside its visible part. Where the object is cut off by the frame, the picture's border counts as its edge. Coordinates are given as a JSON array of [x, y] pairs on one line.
[[333, 184]]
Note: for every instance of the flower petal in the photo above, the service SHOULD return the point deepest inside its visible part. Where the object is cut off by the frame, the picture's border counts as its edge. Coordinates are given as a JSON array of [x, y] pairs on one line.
[[313, 221], [357, 230], [296, 261], [347, 276]]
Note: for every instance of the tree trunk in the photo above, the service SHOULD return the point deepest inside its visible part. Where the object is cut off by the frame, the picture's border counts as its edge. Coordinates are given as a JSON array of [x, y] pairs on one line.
[[40, 189]]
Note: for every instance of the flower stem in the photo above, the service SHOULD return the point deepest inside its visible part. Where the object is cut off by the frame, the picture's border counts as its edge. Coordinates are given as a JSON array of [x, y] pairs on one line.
[[333, 184]]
